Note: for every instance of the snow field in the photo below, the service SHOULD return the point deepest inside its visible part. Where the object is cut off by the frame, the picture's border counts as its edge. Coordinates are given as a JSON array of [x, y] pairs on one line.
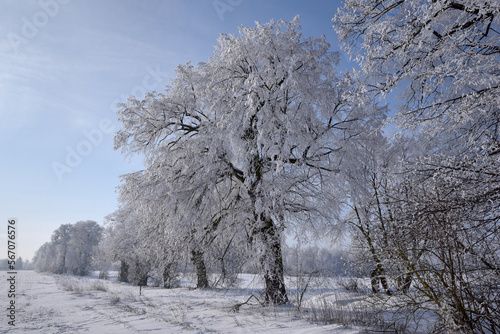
[[67, 304]]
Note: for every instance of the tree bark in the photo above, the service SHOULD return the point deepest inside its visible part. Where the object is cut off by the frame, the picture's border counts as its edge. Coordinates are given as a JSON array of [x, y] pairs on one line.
[[272, 264], [123, 275], [201, 270], [169, 275], [404, 282], [378, 275]]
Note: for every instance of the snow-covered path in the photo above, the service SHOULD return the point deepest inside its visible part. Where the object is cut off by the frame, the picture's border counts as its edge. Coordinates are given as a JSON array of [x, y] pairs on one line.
[[60, 304]]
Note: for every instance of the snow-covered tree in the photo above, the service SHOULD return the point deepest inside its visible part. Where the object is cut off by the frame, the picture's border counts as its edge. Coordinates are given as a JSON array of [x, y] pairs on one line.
[[59, 243], [378, 184], [437, 241], [408, 226], [70, 249], [367, 219], [129, 247], [44, 258], [249, 140], [85, 235], [102, 259], [445, 58], [445, 55], [149, 216]]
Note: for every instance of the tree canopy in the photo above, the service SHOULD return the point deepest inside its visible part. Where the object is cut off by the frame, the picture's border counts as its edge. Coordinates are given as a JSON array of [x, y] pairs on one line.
[[250, 140]]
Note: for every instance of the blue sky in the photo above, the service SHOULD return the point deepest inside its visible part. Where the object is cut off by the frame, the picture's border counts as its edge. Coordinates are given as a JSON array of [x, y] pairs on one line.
[[63, 66]]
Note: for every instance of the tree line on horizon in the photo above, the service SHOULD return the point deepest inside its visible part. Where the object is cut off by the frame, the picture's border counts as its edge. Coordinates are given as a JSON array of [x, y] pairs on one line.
[[21, 264]]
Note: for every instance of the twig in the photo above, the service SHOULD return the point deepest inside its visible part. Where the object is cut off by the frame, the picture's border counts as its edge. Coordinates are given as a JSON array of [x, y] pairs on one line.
[[236, 307]]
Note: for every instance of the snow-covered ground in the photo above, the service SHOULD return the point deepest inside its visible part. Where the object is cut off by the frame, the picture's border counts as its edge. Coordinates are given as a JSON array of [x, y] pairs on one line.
[[66, 304]]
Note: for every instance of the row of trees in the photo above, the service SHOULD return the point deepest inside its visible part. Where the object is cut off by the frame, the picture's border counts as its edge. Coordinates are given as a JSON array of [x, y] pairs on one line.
[[70, 250], [83, 247]]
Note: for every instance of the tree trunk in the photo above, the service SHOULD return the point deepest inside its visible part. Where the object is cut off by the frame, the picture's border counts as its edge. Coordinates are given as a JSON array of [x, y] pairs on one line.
[[374, 281], [201, 270], [169, 275], [272, 264], [404, 282], [62, 265], [142, 280], [123, 275], [272, 259], [378, 275], [103, 274]]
